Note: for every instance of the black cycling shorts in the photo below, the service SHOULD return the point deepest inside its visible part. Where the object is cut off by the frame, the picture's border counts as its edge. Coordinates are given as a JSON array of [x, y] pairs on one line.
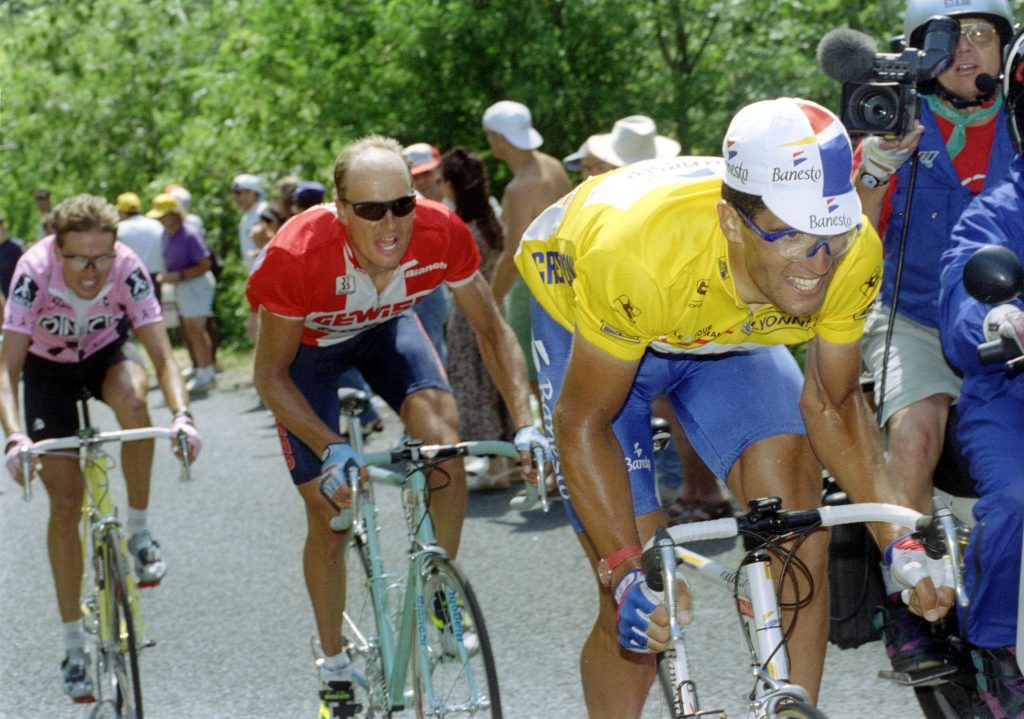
[[52, 389]]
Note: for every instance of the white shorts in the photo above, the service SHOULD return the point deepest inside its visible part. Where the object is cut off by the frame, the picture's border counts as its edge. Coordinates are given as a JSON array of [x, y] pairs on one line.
[[917, 367], [195, 297]]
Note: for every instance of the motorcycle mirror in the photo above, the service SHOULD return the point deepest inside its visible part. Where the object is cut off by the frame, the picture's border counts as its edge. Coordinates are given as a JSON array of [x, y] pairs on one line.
[[993, 275]]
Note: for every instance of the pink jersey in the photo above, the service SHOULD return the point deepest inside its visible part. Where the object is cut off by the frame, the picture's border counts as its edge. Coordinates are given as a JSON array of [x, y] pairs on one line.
[[308, 270], [39, 304]]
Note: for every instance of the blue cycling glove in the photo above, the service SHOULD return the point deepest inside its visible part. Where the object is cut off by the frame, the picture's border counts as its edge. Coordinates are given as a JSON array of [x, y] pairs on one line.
[[336, 461], [636, 602]]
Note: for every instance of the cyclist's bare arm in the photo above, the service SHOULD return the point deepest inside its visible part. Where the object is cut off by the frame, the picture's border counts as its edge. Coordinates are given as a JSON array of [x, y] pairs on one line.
[[158, 346], [847, 441], [499, 348], [12, 358], [278, 342], [595, 387]]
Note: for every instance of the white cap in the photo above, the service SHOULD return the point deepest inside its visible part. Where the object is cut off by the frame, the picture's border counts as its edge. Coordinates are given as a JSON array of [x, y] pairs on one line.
[[796, 156], [512, 120], [246, 182]]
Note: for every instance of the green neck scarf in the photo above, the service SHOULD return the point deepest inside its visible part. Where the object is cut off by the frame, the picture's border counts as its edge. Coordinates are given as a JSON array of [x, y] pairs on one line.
[[961, 120]]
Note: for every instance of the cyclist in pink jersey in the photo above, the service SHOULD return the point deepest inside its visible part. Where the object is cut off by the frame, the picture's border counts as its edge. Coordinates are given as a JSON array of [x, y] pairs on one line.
[[75, 294]]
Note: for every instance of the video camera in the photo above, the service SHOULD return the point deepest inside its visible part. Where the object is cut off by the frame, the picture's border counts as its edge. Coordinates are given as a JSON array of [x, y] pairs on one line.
[[880, 90]]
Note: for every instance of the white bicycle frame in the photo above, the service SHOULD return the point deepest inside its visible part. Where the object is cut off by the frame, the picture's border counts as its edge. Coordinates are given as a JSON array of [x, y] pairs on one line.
[[756, 604]]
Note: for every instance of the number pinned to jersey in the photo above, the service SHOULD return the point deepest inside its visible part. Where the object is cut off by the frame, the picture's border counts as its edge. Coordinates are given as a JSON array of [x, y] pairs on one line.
[[344, 285]]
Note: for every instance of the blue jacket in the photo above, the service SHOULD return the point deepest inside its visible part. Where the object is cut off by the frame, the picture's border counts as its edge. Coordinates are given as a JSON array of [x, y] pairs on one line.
[[995, 217], [938, 200]]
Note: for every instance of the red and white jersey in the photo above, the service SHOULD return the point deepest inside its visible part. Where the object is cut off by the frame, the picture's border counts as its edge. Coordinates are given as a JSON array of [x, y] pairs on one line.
[[309, 271], [41, 305]]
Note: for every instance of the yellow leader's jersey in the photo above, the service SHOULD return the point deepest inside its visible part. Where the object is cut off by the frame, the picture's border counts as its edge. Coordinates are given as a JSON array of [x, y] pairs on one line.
[[636, 259]]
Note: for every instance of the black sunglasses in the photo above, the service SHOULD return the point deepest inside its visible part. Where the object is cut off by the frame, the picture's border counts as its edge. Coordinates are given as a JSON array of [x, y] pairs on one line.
[[373, 211]]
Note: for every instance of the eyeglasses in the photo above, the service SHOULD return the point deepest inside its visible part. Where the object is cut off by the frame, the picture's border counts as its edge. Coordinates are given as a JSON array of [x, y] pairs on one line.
[[979, 34], [79, 263], [373, 210], [793, 245]]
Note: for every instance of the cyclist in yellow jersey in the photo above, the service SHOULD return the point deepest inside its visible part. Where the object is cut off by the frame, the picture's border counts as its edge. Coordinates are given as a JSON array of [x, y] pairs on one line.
[[686, 277]]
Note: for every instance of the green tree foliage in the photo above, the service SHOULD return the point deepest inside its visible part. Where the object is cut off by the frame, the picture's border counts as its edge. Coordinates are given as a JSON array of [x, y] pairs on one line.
[[107, 95]]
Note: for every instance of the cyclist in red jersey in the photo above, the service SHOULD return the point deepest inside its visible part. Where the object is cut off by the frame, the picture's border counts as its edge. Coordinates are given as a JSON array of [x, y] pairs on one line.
[[333, 290]]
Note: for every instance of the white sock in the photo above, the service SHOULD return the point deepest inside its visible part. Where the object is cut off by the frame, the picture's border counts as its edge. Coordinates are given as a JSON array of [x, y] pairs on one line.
[[73, 636], [137, 521], [336, 664]]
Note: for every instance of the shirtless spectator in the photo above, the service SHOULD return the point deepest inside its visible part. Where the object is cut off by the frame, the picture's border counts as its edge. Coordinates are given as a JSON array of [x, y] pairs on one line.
[[538, 180]]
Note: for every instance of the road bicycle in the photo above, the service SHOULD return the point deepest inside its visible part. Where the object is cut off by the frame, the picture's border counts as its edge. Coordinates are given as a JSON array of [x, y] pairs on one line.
[[419, 641], [111, 614], [772, 695]]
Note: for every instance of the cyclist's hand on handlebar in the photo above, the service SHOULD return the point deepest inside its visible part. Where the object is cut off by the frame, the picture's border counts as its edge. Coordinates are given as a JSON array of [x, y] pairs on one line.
[[525, 440], [15, 442], [183, 424], [641, 617], [928, 583], [1005, 321], [336, 461]]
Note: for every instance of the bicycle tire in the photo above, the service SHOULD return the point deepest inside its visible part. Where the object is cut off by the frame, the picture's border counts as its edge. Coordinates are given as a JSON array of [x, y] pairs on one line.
[[119, 642], [361, 631], [796, 709], [453, 674]]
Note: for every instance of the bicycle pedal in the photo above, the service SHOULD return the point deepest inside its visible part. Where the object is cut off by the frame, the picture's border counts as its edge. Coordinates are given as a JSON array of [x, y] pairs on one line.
[[148, 583], [84, 700], [919, 677]]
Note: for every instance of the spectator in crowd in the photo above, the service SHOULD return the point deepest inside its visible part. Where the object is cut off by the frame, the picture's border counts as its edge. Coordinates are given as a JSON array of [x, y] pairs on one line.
[[482, 415], [247, 195], [308, 194], [632, 139], [538, 180], [10, 251], [44, 203], [188, 268], [423, 160], [144, 235], [195, 222]]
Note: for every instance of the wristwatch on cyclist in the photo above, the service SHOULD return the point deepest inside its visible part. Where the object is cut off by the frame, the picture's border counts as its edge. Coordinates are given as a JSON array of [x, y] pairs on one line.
[[607, 565], [872, 181]]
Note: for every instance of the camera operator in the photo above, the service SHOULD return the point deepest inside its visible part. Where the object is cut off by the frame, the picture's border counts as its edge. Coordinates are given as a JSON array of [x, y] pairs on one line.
[[990, 430], [962, 147]]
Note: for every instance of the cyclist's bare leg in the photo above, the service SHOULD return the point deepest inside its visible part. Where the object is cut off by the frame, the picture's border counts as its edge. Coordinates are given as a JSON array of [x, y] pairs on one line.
[[785, 466], [432, 415], [616, 682], [63, 482], [124, 390], [323, 564], [916, 434]]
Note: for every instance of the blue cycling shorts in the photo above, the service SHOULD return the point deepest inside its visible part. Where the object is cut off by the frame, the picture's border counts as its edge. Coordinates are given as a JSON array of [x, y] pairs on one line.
[[724, 402], [396, 358]]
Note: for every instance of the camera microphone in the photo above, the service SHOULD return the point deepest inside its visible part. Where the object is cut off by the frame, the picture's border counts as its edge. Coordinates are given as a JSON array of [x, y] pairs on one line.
[[847, 55]]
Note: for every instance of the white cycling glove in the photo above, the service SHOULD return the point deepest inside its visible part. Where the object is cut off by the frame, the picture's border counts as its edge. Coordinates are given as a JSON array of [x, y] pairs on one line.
[[183, 423], [882, 163], [1005, 321], [909, 563]]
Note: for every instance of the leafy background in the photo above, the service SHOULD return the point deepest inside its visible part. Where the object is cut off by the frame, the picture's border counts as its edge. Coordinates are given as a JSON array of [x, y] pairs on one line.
[[104, 96]]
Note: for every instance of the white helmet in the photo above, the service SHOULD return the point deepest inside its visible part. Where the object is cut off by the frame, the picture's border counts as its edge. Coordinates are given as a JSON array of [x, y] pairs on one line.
[[919, 12]]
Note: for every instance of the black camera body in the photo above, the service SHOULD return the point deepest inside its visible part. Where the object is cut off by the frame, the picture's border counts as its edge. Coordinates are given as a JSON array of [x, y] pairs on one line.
[[885, 102]]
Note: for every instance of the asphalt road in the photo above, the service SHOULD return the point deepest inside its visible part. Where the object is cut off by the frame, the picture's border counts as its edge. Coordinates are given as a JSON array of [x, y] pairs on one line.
[[233, 625]]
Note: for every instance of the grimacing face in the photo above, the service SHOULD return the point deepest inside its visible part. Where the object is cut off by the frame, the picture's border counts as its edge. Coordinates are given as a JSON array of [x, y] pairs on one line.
[[95, 249], [379, 245], [796, 287]]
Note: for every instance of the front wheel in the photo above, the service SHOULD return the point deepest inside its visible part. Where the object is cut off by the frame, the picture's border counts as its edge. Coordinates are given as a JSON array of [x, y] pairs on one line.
[[796, 709], [452, 664], [119, 644]]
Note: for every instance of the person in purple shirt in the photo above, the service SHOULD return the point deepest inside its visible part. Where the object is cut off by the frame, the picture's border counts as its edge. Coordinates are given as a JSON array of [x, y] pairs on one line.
[[188, 263]]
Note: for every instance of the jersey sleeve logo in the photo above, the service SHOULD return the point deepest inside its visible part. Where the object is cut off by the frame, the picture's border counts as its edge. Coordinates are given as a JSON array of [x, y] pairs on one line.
[[139, 286], [24, 292], [609, 330], [630, 310]]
